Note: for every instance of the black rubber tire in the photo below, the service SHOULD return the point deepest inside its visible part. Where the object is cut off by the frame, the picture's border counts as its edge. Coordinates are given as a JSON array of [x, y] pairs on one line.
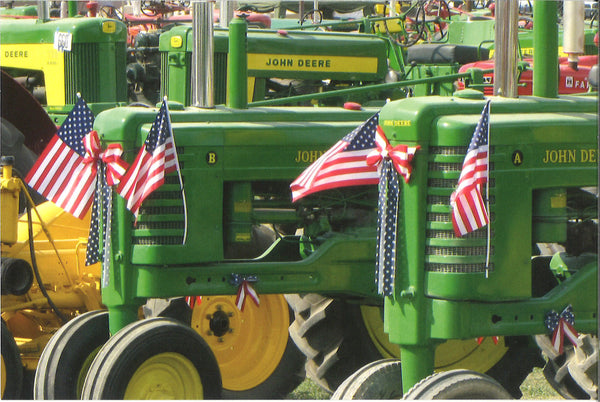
[[59, 371], [331, 334], [457, 384], [288, 374], [115, 364], [12, 376], [381, 379]]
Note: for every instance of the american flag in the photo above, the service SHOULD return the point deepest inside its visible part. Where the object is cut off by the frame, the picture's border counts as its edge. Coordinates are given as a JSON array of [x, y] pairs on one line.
[[60, 173], [468, 207], [342, 165], [156, 158]]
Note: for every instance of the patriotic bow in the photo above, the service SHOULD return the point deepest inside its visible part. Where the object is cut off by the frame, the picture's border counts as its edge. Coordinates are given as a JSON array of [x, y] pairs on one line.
[[400, 155], [115, 166], [561, 325], [388, 158], [244, 289]]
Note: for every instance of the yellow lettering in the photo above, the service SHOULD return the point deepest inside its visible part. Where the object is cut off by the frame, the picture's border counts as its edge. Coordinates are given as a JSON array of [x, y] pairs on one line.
[[397, 123], [308, 156], [517, 158]]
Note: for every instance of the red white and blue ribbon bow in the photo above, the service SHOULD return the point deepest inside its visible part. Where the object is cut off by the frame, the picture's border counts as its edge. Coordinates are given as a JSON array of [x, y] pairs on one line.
[[245, 289], [400, 155], [112, 169], [561, 326], [111, 157], [388, 158]]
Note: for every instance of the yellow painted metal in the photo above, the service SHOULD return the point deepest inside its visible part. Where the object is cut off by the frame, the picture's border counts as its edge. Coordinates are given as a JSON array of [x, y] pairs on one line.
[[165, 376], [450, 355], [254, 343], [41, 57], [9, 190], [3, 375]]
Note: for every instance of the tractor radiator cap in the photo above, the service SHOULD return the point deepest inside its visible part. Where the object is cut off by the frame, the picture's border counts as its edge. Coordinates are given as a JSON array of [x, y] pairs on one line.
[[352, 106], [469, 94]]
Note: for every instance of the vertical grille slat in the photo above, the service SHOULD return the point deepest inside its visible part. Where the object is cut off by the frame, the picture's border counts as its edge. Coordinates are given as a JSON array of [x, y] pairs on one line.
[[161, 216], [446, 253]]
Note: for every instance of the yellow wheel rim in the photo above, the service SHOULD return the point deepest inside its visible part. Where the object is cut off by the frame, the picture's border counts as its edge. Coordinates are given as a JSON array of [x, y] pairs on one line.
[[165, 376], [450, 355], [248, 345], [3, 375]]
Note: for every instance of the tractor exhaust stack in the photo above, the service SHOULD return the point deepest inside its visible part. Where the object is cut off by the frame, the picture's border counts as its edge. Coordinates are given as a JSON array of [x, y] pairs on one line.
[[202, 54], [506, 49]]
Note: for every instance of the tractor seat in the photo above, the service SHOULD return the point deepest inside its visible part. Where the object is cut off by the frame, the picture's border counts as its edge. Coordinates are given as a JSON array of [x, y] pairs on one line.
[[441, 53]]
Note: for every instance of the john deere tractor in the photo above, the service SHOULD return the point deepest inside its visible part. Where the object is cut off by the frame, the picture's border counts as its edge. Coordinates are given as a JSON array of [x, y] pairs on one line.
[[237, 165]]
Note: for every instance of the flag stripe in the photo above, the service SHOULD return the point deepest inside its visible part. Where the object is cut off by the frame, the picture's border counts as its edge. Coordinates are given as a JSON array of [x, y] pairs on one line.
[[469, 212], [344, 164], [60, 173], [156, 158]]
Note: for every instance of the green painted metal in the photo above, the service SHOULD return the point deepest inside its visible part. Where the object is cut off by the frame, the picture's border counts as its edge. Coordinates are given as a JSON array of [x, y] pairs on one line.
[[237, 63], [280, 59], [545, 53], [95, 65], [442, 291], [30, 11]]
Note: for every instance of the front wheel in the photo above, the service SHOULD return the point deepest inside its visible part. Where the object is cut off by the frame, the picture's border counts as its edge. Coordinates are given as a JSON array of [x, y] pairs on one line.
[[12, 368], [156, 358], [457, 384], [67, 356]]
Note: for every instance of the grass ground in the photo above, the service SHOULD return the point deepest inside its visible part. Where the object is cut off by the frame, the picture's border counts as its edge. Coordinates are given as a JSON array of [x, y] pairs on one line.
[[534, 387]]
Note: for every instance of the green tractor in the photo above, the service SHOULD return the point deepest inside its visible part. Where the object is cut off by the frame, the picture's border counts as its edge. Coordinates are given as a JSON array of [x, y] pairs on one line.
[[237, 165]]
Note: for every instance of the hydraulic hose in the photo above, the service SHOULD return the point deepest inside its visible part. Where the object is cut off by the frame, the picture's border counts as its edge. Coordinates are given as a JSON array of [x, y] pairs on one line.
[[36, 271]]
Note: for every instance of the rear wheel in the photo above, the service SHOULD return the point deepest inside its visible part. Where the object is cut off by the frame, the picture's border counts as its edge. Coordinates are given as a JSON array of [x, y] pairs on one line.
[[458, 384], [574, 374], [256, 356], [12, 368], [338, 338], [67, 356], [157, 358]]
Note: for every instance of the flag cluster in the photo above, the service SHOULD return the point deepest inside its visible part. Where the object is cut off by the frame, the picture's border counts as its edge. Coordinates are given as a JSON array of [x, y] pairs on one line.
[[468, 206], [365, 157], [73, 170]]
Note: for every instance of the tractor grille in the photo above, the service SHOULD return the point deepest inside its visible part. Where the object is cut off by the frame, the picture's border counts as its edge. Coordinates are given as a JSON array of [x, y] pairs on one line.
[[83, 66], [444, 251], [82, 69], [161, 217], [164, 74]]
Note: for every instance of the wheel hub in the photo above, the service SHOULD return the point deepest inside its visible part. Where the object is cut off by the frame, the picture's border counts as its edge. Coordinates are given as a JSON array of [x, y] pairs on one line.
[[219, 322]]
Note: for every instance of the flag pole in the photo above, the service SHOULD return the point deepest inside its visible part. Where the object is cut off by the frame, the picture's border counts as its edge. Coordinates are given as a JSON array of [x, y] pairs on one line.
[[185, 220], [487, 196]]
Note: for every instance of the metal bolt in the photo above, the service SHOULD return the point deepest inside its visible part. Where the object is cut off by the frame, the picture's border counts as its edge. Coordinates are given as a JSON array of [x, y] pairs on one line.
[[230, 314], [209, 333], [221, 339]]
